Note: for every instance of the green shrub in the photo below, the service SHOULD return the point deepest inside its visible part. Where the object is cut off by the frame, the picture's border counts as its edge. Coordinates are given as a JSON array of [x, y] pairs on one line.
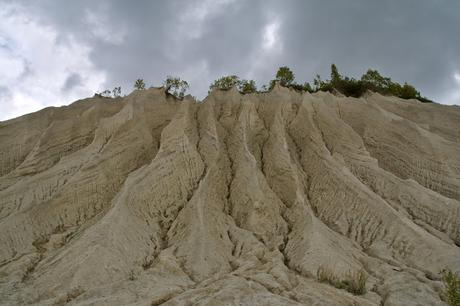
[[372, 80], [354, 282], [451, 292], [116, 92], [106, 93], [247, 86], [225, 82], [139, 84], [285, 76], [306, 87], [375, 82], [176, 87]]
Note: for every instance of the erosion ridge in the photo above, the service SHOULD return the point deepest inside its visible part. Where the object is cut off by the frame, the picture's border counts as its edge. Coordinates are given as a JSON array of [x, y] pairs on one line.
[[238, 199]]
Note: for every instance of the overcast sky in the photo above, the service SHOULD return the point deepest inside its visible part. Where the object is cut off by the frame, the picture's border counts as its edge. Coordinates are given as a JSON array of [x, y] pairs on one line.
[[55, 52]]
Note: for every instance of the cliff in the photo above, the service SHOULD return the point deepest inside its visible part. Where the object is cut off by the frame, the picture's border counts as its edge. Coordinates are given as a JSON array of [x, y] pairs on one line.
[[236, 200]]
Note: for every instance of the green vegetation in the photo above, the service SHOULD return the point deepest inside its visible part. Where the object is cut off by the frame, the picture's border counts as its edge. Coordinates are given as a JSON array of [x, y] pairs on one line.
[[176, 87], [372, 80], [227, 82], [116, 92], [106, 93], [350, 87], [139, 84], [247, 86], [353, 282], [285, 76], [451, 292]]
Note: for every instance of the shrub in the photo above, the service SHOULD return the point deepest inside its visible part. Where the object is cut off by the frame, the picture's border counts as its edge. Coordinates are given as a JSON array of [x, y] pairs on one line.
[[116, 92], [285, 76], [176, 87], [139, 84], [351, 87], [451, 293], [247, 86], [354, 282], [306, 87], [371, 80], [105, 94], [374, 81], [225, 82], [409, 92]]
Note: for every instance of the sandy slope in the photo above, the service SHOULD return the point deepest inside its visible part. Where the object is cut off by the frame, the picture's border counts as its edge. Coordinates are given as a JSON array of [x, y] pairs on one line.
[[238, 200]]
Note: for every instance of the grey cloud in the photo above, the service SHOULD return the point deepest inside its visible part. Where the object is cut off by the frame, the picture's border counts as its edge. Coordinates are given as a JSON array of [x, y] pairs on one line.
[[411, 40], [72, 81]]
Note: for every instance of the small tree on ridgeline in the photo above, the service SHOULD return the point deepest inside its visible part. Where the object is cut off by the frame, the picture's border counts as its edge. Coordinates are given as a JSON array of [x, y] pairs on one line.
[[373, 80], [225, 82], [139, 84], [335, 76], [116, 92], [285, 76], [106, 93], [176, 87], [247, 86]]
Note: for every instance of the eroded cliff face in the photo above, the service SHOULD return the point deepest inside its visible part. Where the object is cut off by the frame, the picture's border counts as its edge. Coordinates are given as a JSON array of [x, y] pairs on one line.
[[238, 200]]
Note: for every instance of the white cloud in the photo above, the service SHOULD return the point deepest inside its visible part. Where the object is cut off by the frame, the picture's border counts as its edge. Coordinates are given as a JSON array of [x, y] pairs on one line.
[[34, 65], [266, 57], [98, 21], [453, 96], [271, 36], [192, 20]]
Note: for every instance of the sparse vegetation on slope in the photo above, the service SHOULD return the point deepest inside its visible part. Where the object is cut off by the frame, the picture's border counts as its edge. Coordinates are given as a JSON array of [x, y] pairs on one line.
[[229, 81], [139, 84], [451, 282], [176, 87], [354, 281]]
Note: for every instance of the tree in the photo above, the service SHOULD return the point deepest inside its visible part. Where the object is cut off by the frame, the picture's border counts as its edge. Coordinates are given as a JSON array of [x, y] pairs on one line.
[[335, 77], [321, 85], [106, 93], [375, 81], [247, 86], [116, 92], [225, 82], [285, 76], [176, 87], [139, 84], [451, 292], [409, 92], [308, 87]]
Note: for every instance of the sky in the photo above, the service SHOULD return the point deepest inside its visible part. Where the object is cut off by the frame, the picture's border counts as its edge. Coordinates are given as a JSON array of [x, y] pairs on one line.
[[55, 52]]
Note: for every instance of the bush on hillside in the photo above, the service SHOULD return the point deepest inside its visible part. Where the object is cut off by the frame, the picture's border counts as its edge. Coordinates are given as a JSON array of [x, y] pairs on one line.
[[225, 82], [116, 92], [247, 86], [175, 86], [451, 293], [285, 76], [353, 282], [139, 84], [372, 80]]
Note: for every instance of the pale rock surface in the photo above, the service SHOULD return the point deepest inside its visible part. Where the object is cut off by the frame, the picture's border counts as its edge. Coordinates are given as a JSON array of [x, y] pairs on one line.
[[236, 200]]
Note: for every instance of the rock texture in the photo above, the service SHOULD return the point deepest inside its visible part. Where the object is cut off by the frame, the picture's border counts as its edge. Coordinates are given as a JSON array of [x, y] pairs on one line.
[[236, 200]]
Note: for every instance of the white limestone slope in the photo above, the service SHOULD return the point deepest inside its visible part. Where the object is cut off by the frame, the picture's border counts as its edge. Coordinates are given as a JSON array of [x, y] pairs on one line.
[[236, 200]]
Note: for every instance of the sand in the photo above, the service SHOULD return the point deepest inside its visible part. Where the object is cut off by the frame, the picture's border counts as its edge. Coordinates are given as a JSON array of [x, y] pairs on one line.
[[236, 200]]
